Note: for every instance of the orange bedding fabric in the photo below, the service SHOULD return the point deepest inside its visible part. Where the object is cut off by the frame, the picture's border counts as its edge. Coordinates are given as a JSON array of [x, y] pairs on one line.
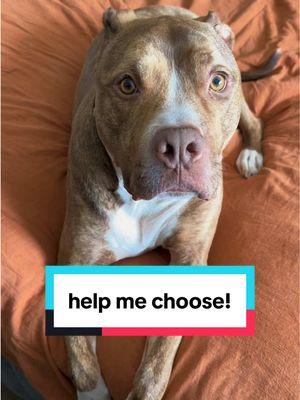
[[44, 43]]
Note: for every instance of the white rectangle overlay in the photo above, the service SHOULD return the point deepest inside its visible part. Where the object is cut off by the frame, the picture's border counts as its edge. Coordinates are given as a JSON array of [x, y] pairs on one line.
[[149, 286]]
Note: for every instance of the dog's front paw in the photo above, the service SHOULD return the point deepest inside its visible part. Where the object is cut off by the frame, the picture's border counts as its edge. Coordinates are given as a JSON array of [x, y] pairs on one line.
[[138, 396], [99, 393], [147, 391], [249, 162]]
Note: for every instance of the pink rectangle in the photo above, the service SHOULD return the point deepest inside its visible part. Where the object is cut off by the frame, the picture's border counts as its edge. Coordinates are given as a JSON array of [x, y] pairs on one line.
[[247, 331]]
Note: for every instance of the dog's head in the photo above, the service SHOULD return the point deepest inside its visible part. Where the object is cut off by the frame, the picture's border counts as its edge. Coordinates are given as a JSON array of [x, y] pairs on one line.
[[167, 101]]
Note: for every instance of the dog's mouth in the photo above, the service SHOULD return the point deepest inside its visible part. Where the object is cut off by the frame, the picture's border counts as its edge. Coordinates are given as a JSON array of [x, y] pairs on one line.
[[147, 183], [167, 192], [173, 190]]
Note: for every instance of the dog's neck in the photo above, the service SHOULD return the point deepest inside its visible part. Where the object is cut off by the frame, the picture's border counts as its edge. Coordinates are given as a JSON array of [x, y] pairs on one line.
[[140, 225]]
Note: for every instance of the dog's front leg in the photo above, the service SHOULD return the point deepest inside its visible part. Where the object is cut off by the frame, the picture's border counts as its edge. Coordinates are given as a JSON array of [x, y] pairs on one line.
[[85, 368], [189, 245], [250, 160], [82, 242], [153, 375]]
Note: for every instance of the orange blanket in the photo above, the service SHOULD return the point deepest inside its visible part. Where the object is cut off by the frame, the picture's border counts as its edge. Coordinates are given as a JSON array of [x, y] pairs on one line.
[[44, 43]]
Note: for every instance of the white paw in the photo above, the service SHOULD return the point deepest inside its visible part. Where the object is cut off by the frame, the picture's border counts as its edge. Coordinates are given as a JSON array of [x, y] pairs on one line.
[[249, 162], [99, 393]]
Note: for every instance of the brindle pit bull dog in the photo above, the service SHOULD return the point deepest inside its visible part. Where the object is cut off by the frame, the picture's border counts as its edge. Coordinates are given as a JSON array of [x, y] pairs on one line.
[[158, 100]]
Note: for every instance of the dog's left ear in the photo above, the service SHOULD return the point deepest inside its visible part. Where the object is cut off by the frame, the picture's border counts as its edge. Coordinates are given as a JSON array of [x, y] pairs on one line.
[[114, 19], [222, 30]]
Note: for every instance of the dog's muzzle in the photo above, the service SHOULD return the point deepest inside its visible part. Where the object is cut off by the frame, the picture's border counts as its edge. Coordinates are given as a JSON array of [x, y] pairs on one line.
[[178, 148]]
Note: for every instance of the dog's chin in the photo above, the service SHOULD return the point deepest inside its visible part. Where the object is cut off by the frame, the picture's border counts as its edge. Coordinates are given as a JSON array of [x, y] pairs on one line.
[[200, 183], [177, 191]]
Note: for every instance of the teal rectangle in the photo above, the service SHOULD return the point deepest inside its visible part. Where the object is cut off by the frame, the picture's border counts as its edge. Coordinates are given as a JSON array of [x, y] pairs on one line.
[[49, 289], [249, 271]]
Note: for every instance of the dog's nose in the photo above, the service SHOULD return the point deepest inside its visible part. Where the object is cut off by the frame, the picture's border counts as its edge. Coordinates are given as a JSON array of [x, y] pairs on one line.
[[175, 146]]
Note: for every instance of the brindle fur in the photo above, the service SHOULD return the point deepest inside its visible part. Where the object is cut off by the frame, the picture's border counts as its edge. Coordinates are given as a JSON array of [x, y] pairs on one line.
[[96, 145]]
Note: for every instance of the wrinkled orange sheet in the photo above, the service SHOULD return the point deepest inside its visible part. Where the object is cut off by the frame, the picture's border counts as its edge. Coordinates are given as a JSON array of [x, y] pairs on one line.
[[44, 43]]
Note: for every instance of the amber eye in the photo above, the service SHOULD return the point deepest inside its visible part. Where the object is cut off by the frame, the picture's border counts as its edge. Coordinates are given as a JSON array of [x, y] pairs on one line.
[[127, 86], [218, 83]]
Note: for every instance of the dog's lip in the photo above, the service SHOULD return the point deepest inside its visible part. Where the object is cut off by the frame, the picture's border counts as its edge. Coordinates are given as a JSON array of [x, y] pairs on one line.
[[175, 191]]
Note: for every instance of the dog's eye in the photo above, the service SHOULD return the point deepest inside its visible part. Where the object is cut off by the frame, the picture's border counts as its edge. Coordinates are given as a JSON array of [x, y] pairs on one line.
[[127, 86], [218, 82]]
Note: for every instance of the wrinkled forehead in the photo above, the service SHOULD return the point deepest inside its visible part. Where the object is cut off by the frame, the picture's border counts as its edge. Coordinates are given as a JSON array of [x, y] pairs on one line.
[[167, 43]]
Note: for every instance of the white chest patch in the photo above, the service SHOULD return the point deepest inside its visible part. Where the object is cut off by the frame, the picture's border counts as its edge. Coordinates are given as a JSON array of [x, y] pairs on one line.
[[141, 225]]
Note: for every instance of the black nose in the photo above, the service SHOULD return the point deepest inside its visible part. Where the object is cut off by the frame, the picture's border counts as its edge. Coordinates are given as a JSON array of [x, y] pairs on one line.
[[175, 146]]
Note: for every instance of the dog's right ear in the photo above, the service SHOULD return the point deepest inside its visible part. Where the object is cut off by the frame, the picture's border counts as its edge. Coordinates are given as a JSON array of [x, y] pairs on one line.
[[114, 19]]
